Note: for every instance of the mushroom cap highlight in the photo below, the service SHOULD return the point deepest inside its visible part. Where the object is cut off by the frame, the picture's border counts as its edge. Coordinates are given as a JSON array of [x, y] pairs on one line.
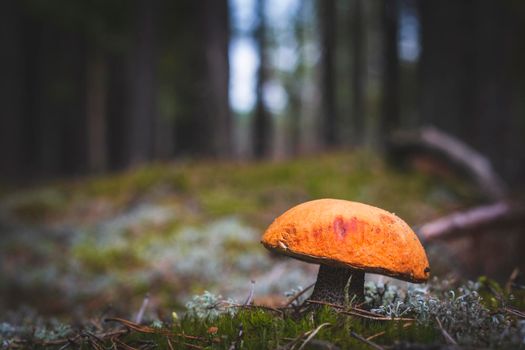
[[342, 233]]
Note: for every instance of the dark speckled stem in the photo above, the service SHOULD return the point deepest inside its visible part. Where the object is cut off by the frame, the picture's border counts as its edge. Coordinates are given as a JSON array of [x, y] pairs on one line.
[[331, 283]]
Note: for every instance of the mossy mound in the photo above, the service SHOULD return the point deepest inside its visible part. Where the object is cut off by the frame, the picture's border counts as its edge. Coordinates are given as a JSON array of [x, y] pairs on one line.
[[436, 316], [176, 229]]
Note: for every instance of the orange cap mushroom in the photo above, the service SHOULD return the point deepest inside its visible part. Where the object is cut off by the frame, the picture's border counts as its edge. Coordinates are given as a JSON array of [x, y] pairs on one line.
[[347, 239]]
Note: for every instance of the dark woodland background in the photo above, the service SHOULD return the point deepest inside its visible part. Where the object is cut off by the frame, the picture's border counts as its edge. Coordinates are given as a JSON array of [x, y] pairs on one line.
[[94, 86], [145, 145]]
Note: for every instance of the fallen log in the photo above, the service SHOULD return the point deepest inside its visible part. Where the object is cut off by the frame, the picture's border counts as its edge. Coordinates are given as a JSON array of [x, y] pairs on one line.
[[472, 221], [433, 142]]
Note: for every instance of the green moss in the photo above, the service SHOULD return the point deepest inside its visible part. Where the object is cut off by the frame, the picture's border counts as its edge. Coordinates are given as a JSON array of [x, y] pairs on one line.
[[98, 259], [221, 202], [134, 182], [215, 323], [38, 205], [233, 247], [496, 296], [256, 189], [246, 189], [120, 226], [267, 330]]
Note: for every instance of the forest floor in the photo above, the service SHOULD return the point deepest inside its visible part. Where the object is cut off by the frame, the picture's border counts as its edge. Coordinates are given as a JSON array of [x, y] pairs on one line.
[[161, 236]]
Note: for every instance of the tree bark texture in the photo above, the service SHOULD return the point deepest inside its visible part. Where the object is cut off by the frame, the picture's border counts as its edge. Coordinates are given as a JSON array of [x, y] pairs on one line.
[[262, 122], [391, 104], [327, 21]]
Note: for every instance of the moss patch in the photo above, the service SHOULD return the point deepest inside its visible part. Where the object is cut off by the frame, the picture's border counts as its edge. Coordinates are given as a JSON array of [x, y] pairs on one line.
[[188, 226], [248, 189]]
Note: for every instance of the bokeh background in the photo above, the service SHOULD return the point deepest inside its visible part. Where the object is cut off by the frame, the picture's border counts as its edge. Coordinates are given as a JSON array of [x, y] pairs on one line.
[[146, 144]]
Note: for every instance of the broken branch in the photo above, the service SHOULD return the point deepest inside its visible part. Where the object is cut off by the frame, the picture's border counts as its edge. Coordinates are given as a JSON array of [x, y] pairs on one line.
[[472, 220]]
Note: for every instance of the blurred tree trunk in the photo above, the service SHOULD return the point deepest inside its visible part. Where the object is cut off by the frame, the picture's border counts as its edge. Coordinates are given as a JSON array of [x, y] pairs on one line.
[[494, 86], [327, 22], [293, 85], [11, 91], [390, 116], [447, 63], [143, 91], [74, 139], [96, 91], [311, 122], [358, 71], [262, 123], [468, 73], [29, 80], [42, 122], [48, 90], [117, 118], [203, 123], [217, 32], [373, 69], [59, 104]]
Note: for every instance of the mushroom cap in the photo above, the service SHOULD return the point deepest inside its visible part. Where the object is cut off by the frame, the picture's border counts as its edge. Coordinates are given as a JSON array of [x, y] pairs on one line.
[[341, 233]]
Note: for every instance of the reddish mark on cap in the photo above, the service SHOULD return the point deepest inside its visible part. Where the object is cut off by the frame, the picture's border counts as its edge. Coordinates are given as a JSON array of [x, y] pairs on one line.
[[356, 227], [290, 230], [317, 232], [354, 224], [342, 226], [386, 219]]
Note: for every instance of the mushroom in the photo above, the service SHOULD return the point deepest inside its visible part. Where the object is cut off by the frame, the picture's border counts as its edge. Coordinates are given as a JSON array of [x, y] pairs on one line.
[[347, 239]]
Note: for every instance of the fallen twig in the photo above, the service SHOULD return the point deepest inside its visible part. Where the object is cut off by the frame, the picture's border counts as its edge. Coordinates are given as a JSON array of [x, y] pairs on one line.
[[513, 311], [445, 334], [193, 346], [264, 307], [94, 336], [294, 341], [62, 341], [337, 306], [361, 313], [433, 141], [312, 334], [68, 344], [169, 343], [373, 336], [94, 344], [235, 344], [94, 340], [366, 341], [377, 318], [471, 221], [512, 279], [298, 295], [145, 329], [132, 325], [124, 345]]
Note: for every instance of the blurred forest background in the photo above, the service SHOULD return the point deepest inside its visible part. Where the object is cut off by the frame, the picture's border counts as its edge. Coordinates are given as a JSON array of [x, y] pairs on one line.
[[94, 86], [145, 144]]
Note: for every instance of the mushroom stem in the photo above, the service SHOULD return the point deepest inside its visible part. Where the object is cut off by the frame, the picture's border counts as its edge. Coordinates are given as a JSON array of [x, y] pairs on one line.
[[331, 284]]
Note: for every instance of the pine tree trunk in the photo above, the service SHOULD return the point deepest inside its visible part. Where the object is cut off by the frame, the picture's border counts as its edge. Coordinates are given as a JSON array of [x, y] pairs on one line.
[[262, 120], [391, 103], [217, 35], [142, 89], [358, 72], [328, 98], [96, 84], [11, 91]]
